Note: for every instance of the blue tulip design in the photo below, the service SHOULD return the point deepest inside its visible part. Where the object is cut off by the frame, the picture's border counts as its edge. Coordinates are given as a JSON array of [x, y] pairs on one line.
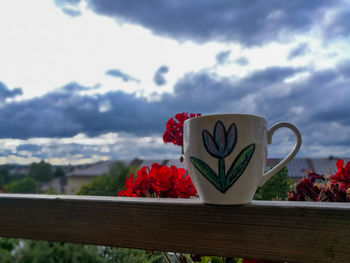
[[220, 145]]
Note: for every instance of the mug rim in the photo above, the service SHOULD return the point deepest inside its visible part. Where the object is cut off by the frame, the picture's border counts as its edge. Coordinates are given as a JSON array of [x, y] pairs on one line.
[[227, 114]]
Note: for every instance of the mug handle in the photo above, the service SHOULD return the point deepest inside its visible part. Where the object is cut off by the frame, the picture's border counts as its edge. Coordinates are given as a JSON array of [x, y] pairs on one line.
[[289, 157]]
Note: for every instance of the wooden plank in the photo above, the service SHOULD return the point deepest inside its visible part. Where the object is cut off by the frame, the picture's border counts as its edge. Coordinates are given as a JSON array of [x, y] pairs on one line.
[[290, 231]]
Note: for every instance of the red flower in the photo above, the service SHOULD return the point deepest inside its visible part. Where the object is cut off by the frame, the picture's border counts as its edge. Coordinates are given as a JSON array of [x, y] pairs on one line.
[[174, 128], [316, 188], [306, 190], [143, 183], [343, 174], [159, 181], [129, 184]]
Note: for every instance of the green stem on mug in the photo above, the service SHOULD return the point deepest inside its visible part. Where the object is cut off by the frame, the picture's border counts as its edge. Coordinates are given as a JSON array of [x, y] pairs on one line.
[[222, 173]]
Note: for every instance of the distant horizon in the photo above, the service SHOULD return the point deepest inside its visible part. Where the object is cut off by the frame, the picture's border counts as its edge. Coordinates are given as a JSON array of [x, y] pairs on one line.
[[151, 159]]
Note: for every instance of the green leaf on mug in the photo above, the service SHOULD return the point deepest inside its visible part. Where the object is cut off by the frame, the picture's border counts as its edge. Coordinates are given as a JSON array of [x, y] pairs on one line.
[[205, 170], [239, 165]]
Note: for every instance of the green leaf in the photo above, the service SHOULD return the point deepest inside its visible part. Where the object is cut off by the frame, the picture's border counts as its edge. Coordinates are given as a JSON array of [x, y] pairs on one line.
[[239, 165], [205, 170]]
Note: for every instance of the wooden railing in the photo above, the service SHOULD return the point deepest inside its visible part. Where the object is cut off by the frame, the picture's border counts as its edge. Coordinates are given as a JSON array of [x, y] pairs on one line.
[[286, 231]]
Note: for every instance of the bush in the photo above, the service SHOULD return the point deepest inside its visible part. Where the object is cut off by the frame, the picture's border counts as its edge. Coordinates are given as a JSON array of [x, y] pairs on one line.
[[276, 188], [23, 186], [54, 252]]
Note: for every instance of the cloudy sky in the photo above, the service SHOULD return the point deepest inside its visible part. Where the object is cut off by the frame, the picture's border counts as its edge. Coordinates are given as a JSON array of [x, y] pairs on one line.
[[90, 80]]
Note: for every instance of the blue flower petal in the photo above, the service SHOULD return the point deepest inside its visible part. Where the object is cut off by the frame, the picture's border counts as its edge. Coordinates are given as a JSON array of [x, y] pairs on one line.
[[209, 143]]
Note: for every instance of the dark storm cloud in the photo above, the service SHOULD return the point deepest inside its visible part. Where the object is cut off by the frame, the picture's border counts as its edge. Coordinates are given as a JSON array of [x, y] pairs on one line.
[[298, 51], [337, 83], [318, 105], [7, 93], [315, 103], [119, 74], [340, 25], [222, 57], [323, 93], [248, 22], [158, 77], [64, 114]]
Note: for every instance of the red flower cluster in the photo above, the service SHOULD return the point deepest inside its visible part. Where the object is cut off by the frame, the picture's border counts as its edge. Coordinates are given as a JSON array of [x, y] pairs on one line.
[[343, 174], [174, 128], [159, 181], [319, 188]]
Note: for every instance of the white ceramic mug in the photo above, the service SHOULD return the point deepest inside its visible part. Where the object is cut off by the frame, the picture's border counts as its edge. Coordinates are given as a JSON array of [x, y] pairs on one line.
[[226, 153]]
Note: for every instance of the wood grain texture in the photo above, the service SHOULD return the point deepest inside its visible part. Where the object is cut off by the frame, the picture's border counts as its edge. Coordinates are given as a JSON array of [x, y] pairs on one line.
[[290, 231]]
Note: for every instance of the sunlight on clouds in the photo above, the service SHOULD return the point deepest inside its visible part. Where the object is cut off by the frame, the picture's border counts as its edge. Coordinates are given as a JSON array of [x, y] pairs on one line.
[[81, 138], [17, 159], [46, 50], [297, 77], [82, 149]]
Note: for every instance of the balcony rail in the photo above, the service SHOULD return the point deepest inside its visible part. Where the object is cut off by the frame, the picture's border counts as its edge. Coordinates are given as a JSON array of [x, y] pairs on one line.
[[270, 230]]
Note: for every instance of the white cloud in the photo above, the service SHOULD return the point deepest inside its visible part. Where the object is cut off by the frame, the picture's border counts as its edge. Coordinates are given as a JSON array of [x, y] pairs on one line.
[[82, 149], [43, 49]]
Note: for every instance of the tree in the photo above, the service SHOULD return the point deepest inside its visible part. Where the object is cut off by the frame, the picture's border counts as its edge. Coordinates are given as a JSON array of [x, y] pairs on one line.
[[24, 186], [277, 187], [42, 171], [55, 252], [108, 184], [16, 176], [59, 172], [4, 175]]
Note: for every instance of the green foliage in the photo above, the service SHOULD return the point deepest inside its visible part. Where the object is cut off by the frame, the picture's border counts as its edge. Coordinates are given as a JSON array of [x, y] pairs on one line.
[[216, 259], [59, 172], [102, 185], [16, 176], [109, 184], [4, 175], [54, 252], [50, 191], [5, 256], [41, 172], [277, 187], [26, 185], [121, 255], [7, 245], [30, 251]]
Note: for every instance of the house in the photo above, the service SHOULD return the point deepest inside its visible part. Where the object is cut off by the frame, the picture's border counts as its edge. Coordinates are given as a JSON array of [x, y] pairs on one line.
[[78, 177], [58, 185]]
